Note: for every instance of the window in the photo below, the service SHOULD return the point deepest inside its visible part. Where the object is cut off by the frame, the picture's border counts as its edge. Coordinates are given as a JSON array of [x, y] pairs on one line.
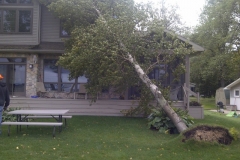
[[236, 93], [15, 20], [9, 2], [55, 76], [63, 32], [159, 73]]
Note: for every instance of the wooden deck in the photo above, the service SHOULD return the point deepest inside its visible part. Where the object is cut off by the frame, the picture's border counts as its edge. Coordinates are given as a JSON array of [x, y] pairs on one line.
[[75, 106], [79, 106]]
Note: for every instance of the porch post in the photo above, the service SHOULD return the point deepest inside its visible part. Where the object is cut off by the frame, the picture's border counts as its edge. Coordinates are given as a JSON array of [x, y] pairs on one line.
[[187, 79]]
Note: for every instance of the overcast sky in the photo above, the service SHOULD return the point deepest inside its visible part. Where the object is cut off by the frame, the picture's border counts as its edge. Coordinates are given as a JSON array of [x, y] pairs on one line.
[[189, 10]]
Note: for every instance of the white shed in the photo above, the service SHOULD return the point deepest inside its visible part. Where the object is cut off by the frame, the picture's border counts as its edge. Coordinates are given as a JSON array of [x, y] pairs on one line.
[[234, 89]]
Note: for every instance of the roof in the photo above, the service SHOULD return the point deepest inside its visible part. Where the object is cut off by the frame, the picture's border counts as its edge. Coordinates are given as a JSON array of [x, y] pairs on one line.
[[195, 47], [232, 84], [58, 47], [43, 47]]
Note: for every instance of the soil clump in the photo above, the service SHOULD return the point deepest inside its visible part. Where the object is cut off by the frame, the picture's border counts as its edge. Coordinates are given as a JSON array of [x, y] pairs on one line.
[[209, 134]]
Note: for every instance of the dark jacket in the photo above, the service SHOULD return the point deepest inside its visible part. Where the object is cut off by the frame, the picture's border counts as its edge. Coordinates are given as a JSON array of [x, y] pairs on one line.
[[4, 95]]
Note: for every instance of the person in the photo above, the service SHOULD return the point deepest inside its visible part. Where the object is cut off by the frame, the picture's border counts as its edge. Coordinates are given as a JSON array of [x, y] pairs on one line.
[[4, 98]]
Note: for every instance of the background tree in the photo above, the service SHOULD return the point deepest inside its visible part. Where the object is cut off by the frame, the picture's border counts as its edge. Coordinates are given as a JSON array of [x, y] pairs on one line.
[[116, 43], [218, 33]]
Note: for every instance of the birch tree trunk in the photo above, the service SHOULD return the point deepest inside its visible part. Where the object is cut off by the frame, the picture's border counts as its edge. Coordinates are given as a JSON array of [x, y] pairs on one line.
[[177, 121]]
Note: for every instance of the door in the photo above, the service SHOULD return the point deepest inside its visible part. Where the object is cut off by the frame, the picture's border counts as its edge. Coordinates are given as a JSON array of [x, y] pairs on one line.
[[15, 78]]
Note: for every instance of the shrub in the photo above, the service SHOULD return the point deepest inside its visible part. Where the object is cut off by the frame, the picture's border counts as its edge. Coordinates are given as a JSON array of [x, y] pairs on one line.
[[194, 103], [9, 117], [234, 133], [159, 120]]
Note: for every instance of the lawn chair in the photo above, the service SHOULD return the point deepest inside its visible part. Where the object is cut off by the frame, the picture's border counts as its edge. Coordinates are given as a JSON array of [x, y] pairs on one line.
[[220, 107]]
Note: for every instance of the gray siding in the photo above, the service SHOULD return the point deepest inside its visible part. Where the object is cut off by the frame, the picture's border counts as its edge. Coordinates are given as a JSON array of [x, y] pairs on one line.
[[24, 39], [50, 27]]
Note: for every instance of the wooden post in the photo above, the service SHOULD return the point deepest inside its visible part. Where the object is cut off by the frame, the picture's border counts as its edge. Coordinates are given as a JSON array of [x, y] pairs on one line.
[[198, 97], [187, 78]]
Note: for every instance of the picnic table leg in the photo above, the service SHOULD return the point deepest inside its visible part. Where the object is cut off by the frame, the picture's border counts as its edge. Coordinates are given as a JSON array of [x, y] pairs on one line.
[[54, 131], [9, 130], [60, 120], [18, 120]]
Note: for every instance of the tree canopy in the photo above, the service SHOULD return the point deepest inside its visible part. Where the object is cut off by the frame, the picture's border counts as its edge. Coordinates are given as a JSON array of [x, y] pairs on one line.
[[218, 33]]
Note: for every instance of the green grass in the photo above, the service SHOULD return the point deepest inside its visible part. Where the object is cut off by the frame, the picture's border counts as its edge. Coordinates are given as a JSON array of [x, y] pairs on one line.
[[208, 103], [113, 138]]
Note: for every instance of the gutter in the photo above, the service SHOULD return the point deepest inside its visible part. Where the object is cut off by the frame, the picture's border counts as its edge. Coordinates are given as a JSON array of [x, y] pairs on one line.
[[31, 51]]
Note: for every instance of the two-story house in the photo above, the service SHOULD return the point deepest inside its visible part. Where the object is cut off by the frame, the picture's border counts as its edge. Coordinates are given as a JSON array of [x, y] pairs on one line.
[[30, 43], [31, 40]]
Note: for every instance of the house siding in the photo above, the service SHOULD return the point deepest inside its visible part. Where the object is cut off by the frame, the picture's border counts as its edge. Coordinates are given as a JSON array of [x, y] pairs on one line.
[[235, 100], [24, 39], [50, 27]]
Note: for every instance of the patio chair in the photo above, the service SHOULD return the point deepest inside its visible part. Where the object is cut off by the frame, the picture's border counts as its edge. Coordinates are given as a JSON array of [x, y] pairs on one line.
[[41, 89], [174, 94], [82, 91]]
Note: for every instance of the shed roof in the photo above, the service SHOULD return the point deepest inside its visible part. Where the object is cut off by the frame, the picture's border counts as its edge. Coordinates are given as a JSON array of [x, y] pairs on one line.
[[232, 84]]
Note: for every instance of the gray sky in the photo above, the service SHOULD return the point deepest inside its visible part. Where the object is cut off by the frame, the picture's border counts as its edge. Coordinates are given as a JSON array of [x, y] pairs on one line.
[[189, 10]]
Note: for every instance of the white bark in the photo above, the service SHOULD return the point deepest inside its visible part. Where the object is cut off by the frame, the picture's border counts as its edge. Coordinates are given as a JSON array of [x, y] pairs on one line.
[[177, 121]]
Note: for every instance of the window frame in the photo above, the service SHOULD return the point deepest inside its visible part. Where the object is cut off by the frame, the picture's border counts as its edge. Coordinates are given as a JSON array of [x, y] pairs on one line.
[[16, 20], [235, 90]]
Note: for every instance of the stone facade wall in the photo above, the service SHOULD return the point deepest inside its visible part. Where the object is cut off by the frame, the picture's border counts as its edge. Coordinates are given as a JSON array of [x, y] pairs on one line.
[[31, 75]]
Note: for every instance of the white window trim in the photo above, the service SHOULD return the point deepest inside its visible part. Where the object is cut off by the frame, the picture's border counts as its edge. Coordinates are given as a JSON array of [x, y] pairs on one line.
[[235, 93]]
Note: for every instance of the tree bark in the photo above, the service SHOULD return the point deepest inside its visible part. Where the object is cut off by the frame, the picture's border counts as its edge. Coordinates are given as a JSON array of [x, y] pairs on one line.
[[177, 121]]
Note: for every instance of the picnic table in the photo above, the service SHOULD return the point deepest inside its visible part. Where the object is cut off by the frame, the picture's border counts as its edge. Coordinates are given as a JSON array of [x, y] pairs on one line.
[[22, 118]]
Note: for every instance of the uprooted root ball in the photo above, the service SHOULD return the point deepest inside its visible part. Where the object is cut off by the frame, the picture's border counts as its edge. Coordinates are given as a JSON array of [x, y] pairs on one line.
[[209, 134]]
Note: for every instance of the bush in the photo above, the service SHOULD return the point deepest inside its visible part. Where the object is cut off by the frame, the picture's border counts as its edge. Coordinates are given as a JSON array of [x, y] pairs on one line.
[[194, 103], [234, 133], [9, 117], [159, 120]]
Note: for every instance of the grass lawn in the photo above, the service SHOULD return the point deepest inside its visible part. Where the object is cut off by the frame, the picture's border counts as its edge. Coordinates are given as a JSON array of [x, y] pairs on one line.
[[110, 138], [208, 103]]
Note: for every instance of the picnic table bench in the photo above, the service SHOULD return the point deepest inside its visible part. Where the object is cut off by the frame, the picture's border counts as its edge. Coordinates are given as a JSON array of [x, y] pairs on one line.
[[55, 117], [33, 124]]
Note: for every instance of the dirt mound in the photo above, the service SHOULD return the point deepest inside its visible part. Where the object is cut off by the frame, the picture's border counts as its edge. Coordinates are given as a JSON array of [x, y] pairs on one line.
[[209, 134]]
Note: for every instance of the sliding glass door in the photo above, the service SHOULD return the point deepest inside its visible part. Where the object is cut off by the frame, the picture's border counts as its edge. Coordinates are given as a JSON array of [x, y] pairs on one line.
[[14, 75]]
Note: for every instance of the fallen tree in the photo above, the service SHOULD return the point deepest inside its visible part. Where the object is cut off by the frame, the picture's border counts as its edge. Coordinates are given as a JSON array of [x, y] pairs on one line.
[[116, 43]]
